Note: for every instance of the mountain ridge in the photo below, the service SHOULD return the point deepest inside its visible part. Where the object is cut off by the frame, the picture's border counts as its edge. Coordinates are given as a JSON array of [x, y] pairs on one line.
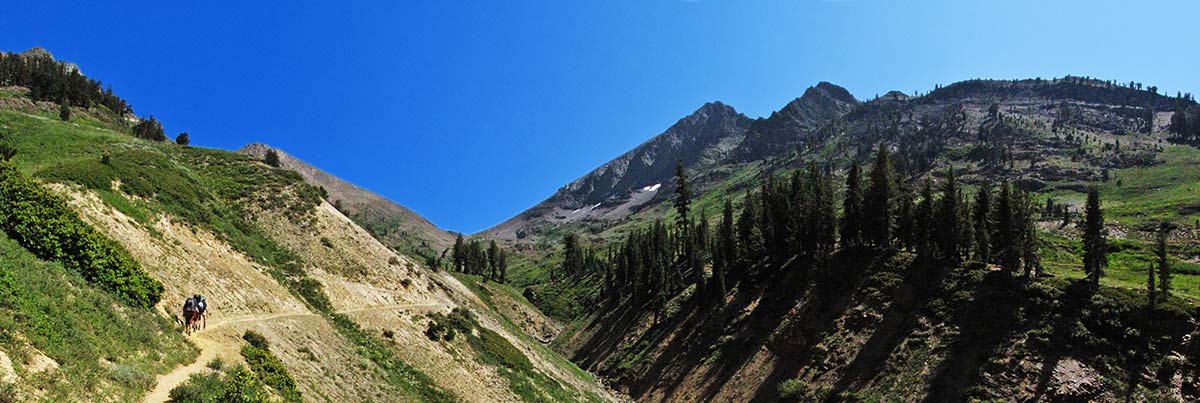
[[395, 225]]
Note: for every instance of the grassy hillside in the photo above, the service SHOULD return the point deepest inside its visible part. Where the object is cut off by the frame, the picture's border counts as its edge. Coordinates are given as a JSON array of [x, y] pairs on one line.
[[66, 340], [272, 256]]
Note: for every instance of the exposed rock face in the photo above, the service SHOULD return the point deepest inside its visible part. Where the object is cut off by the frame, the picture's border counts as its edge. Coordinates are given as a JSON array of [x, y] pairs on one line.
[[698, 140], [395, 225], [796, 122], [1074, 381], [702, 140], [712, 136]]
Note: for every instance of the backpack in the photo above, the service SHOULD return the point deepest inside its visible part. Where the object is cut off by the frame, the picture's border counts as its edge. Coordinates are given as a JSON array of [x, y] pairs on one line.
[[189, 305], [201, 304]]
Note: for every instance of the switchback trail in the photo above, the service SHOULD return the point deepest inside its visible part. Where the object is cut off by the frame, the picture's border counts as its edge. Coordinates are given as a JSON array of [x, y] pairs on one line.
[[210, 347]]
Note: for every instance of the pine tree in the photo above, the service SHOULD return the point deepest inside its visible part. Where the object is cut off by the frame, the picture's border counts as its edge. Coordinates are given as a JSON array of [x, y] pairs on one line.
[[503, 266], [272, 158], [682, 198], [459, 254], [948, 237], [64, 111], [822, 215], [572, 255], [852, 208], [1164, 266], [876, 207], [1006, 236], [1151, 289], [183, 139], [751, 243], [493, 259], [1094, 244], [725, 251], [983, 226], [924, 221]]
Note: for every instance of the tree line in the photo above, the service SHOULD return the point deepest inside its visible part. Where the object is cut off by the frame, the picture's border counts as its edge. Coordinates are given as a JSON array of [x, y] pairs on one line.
[[792, 222], [54, 81], [473, 257]]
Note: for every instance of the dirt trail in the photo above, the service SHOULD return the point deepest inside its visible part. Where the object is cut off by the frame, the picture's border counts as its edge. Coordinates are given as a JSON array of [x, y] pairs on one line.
[[206, 341]]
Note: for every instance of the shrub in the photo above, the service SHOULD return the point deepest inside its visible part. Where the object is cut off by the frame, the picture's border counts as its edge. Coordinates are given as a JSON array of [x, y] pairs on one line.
[[64, 112], [268, 369], [183, 139], [44, 224], [255, 339], [326, 242], [793, 389], [311, 290], [389, 333]]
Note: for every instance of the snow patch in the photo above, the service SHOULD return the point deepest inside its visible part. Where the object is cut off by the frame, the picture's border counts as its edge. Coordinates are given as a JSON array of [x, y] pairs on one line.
[[652, 188], [594, 206]]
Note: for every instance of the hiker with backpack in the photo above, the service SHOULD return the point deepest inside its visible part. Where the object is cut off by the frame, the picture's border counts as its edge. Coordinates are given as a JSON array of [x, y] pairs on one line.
[[201, 310], [190, 315]]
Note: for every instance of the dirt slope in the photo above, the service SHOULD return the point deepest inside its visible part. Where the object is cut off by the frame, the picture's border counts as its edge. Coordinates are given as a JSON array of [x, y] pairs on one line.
[[396, 225]]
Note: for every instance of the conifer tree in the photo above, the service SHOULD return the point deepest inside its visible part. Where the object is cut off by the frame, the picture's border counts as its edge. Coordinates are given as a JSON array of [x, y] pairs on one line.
[[183, 139], [272, 158], [458, 254], [982, 217], [1006, 235], [1094, 244], [852, 208], [503, 266], [905, 220], [1164, 266], [64, 111], [924, 221], [572, 255], [948, 237], [493, 259], [823, 215], [751, 244], [725, 251], [876, 207], [682, 198], [1151, 289]]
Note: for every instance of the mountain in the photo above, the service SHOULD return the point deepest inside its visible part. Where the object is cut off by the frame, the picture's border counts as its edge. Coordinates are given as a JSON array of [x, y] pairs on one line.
[[394, 225], [879, 324], [788, 127], [707, 142], [103, 235], [612, 191]]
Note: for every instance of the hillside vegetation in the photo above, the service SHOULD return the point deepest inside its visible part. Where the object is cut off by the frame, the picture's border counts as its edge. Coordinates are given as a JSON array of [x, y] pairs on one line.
[[337, 315]]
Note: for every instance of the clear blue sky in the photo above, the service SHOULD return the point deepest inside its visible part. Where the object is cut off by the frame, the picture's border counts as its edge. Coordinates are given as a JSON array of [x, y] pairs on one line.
[[469, 112]]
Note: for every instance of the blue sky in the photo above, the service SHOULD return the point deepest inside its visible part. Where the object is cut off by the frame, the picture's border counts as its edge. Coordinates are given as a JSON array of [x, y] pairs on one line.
[[469, 112]]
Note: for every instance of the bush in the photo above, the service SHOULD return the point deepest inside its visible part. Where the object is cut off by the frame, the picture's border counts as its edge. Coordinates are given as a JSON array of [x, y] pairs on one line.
[[268, 369], [388, 333], [44, 224], [255, 339]]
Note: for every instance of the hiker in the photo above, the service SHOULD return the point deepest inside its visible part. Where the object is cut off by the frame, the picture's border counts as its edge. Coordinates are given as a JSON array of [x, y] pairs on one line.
[[201, 310], [190, 314]]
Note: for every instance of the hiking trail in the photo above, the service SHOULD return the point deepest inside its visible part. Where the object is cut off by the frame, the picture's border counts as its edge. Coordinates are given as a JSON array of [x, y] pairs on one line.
[[205, 341]]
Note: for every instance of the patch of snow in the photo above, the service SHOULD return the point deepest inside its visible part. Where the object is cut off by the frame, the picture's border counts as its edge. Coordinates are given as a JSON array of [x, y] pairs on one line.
[[594, 206], [652, 188]]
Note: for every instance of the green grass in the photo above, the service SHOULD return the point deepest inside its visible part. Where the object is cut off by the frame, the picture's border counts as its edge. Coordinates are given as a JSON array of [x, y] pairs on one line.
[[525, 381], [212, 189], [1155, 193], [486, 293], [226, 385], [82, 328], [268, 368], [1127, 262]]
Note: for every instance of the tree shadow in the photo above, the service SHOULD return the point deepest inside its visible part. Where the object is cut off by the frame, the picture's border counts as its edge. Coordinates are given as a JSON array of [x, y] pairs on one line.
[[1076, 296], [984, 323], [921, 282], [823, 301]]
